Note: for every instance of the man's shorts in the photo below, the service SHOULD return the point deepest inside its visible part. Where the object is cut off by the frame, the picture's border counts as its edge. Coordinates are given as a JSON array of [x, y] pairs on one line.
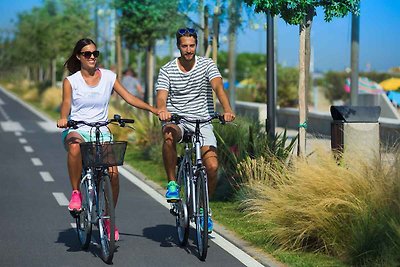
[[207, 137]]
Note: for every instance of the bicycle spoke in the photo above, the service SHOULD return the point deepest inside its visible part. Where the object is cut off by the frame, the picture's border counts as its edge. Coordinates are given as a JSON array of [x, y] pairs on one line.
[[83, 221], [201, 216], [106, 219]]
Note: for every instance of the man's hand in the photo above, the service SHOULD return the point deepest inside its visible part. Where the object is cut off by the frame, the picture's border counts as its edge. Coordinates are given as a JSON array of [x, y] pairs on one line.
[[229, 116], [164, 115]]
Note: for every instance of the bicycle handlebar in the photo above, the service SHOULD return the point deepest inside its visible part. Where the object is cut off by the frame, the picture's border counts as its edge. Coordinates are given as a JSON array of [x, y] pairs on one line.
[[117, 118], [176, 118]]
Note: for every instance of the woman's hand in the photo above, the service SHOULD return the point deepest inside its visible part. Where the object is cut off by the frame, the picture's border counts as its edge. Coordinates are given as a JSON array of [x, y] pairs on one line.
[[164, 115], [62, 123]]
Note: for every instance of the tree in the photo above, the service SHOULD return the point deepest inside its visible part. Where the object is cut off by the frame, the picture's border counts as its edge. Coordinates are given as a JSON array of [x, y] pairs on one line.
[[302, 12], [142, 22], [47, 34]]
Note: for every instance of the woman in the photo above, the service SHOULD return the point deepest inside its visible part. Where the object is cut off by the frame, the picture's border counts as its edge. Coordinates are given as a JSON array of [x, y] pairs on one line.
[[86, 95]]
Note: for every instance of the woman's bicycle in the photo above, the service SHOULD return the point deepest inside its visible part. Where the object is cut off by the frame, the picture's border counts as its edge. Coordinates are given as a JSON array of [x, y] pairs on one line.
[[193, 205], [95, 186]]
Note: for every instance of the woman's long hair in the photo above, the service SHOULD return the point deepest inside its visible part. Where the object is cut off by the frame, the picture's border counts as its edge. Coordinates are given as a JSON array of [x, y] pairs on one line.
[[73, 64]]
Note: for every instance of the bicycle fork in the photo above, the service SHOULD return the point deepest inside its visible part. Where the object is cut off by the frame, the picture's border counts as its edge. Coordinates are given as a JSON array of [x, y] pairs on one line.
[[91, 194]]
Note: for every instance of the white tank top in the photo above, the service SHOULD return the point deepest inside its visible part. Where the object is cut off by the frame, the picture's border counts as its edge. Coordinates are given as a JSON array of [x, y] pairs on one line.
[[90, 103]]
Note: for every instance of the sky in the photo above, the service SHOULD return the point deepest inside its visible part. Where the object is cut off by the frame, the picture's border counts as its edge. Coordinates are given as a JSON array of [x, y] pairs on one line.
[[330, 41]]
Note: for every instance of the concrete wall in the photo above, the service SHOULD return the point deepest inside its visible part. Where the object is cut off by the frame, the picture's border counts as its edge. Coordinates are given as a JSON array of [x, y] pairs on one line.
[[319, 123]]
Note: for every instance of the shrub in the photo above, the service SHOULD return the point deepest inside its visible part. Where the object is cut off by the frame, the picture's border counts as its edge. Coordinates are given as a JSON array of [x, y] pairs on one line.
[[318, 205], [51, 98]]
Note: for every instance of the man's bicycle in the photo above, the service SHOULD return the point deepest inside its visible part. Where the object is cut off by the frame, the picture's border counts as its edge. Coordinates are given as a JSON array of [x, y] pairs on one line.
[[193, 205], [95, 186]]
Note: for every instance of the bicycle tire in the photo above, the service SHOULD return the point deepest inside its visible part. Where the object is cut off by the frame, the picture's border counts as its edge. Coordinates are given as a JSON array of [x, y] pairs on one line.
[[84, 219], [201, 217], [182, 218], [106, 212]]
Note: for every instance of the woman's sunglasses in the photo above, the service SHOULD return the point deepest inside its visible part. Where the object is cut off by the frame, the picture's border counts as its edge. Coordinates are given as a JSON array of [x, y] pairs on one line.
[[189, 31], [88, 54]]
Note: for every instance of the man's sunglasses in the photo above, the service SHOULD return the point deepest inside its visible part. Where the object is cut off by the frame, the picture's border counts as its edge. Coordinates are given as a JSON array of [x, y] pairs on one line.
[[184, 31], [88, 54]]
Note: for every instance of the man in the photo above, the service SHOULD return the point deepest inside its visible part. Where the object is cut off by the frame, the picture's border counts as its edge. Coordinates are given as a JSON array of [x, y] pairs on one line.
[[184, 87]]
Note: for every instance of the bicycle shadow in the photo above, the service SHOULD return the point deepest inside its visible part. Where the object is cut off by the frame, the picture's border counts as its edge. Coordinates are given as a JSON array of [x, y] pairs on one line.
[[167, 236], [69, 238]]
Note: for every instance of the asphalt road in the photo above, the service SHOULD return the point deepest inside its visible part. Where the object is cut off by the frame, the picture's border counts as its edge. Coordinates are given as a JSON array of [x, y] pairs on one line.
[[37, 229]]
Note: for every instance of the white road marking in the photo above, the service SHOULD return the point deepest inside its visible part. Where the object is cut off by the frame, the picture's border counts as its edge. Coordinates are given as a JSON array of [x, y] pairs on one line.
[[4, 113], [18, 133], [11, 126], [73, 225], [61, 199], [1, 102], [28, 149], [22, 140], [32, 109], [217, 239], [46, 176], [36, 162], [49, 126]]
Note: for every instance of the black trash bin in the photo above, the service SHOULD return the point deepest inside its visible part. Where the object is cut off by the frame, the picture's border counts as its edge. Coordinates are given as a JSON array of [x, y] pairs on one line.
[[355, 131]]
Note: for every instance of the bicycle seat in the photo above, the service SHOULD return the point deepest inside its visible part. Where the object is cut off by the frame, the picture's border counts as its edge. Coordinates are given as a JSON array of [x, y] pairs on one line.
[[187, 137]]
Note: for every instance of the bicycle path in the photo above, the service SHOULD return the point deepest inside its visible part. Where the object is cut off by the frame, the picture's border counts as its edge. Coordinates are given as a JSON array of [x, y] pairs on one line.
[[38, 230]]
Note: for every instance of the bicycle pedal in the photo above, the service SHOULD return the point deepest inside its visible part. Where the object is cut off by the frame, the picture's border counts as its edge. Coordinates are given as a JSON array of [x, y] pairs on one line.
[[173, 212], [75, 213]]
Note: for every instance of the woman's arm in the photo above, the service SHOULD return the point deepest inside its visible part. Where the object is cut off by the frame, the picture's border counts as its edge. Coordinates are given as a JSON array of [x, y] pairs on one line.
[[65, 104], [133, 100]]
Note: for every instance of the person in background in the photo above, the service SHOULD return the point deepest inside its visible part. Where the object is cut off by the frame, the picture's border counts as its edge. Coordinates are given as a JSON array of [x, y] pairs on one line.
[[185, 87], [86, 95], [132, 83]]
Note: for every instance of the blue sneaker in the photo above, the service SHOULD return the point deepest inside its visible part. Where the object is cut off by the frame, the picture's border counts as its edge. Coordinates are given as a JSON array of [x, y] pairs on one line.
[[210, 222], [172, 194]]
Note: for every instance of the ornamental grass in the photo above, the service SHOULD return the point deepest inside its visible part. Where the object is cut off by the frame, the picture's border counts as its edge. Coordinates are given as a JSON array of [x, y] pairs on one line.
[[350, 211]]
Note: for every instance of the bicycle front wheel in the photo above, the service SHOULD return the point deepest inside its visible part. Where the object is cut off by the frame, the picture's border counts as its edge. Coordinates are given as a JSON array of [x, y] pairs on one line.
[[84, 219], [202, 215], [182, 218], [106, 221]]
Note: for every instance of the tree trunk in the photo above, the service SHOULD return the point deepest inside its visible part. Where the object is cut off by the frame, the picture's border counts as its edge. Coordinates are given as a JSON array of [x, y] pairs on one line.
[[304, 75], [150, 74], [234, 15], [120, 63], [217, 12], [53, 73]]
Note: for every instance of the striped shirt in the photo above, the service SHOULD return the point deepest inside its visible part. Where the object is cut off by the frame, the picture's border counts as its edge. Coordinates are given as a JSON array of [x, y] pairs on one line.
[[189, 93]]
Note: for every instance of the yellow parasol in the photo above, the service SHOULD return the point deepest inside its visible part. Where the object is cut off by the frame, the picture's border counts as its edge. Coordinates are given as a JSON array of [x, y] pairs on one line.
[[390, 84]]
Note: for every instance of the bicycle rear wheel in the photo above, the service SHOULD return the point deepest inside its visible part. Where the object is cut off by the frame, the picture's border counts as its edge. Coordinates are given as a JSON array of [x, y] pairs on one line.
[[201, 215], [182, 218], [84, 219], [106, 222]]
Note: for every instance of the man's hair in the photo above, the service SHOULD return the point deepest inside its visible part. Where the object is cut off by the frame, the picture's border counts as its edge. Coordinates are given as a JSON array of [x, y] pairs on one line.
[[187, 32]]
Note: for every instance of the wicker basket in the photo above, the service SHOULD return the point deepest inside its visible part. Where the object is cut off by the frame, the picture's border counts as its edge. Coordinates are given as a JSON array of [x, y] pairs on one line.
[[103, 155]]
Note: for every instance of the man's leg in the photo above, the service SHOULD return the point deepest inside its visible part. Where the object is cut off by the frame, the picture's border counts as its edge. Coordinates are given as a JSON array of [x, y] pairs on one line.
[[210, 161], [172, 134]]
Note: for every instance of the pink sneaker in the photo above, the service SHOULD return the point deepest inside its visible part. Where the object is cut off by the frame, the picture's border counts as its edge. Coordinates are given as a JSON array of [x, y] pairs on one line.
[[76, 201], [116, 232]]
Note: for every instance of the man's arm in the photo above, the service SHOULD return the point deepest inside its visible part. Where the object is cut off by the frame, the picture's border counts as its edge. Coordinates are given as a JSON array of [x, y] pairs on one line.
[[161, 101], [218, 87]]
